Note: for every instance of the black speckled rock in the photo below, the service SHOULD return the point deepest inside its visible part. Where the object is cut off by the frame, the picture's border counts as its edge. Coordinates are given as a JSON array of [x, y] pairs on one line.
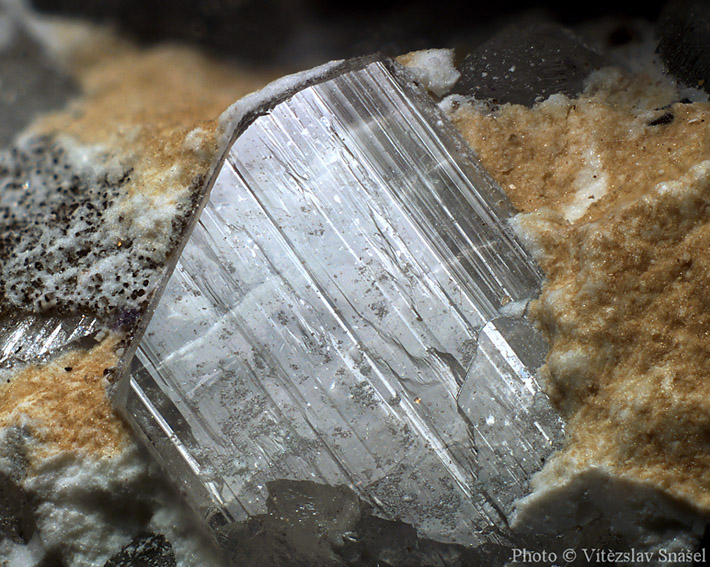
[[146, 550], [520, 65], [684, 41], [64, 221], [31, 82]]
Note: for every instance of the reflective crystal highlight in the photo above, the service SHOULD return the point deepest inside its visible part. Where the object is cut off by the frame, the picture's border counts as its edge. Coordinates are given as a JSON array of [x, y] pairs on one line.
[[323, 321], [32, 338], [513, 423]]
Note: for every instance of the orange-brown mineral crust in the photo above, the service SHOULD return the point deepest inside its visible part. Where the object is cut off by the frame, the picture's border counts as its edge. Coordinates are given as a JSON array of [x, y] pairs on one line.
[[65, 402], [155, 108], [626, 306]]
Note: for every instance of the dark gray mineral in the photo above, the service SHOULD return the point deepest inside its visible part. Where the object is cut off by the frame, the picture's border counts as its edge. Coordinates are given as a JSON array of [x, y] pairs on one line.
[[16, 515], [520, 65], [30, 81], [146, 550], [684, 41]]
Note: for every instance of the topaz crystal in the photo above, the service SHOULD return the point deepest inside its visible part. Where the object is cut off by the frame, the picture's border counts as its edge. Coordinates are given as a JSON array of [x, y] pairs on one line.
[[346, 314]]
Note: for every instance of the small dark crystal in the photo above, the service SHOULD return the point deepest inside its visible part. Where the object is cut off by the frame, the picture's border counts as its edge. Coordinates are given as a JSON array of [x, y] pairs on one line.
[[666, 118], [16, 516], [520, 65], [684, 36], [146, 550]]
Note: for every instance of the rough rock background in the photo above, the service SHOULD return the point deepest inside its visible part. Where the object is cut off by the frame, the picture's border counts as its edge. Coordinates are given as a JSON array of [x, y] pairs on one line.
[[309, 31]]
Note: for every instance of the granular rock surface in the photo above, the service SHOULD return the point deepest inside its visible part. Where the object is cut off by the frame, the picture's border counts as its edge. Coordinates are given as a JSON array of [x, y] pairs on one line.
[[616, 204]]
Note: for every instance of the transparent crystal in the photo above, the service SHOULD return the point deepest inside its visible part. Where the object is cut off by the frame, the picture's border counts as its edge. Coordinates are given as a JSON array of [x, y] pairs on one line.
[[33, 338], [332, 316]]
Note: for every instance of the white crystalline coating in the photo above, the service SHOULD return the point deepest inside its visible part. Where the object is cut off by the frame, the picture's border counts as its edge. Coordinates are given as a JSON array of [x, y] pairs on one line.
[[434, 69], [87, 509], [22, 555], [69, 515], [528, 227], [190, 546], [591, 184], [195, 142], [514, 308]]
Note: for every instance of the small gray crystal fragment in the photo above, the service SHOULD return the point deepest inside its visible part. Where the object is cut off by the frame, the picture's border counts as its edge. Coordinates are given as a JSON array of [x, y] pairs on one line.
[[16, 515], [684, 35], [305, 523], [522, 64], [310, 348], [146, 550]]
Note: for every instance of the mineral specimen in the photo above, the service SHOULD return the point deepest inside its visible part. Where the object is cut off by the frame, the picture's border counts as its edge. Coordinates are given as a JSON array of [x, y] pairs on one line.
[[346, 316]]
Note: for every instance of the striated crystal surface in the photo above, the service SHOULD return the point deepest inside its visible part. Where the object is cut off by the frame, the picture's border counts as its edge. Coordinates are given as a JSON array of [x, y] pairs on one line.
[[338, 319], [32, 338], [513, 423]]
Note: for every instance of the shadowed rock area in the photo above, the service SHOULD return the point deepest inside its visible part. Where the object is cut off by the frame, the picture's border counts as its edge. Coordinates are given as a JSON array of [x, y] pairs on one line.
[[30, 82], [684, 41], [522, 65], [146, 550]]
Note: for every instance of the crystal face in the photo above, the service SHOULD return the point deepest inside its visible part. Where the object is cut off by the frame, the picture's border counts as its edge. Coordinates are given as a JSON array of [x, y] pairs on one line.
[[33, 338], [342, 315]]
